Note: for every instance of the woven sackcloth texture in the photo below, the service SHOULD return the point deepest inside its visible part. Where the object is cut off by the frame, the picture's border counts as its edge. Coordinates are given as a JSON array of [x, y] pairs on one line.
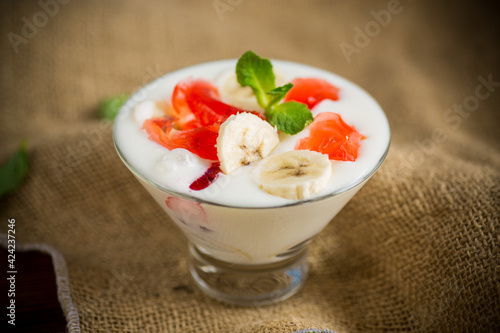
[[416, 250]]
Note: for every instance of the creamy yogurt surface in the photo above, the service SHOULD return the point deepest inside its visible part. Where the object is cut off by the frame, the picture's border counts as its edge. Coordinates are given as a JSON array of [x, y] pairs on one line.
[[174, 171]]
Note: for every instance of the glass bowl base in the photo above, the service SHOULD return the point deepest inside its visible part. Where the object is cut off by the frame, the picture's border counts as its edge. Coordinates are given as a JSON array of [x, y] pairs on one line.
[[248, 285]]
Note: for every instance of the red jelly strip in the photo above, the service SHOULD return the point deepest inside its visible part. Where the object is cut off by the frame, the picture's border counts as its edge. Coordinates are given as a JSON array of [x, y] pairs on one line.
[[200, 141], [311, 91], [196, 103], [186, 119], [208, 177], [330, 135]]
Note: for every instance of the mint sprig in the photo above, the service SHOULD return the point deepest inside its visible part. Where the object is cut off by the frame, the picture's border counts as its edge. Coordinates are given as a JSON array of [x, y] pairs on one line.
[[257, 73], [290, 117], [277, 94]]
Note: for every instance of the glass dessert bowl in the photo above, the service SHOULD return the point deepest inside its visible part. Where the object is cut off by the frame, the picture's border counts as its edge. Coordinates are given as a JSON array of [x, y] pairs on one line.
[[248, 240]]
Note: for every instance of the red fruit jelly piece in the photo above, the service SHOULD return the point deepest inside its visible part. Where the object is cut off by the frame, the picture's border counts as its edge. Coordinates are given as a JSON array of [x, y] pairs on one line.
[[180, 108], [200, 141], [196, 103], [208, 177], [311, 91], [330, 135]]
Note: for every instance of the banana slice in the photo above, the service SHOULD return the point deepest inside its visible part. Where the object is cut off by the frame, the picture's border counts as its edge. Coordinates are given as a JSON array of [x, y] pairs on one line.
[[233, 93], [297, 174], [149, 109], [244, 138]]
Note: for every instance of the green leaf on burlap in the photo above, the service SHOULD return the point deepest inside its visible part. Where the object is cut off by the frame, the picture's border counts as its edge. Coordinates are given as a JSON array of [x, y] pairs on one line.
[[14, 170]]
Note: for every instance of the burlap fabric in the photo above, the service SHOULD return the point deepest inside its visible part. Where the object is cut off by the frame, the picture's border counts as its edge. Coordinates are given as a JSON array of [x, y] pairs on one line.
[[417, 249]]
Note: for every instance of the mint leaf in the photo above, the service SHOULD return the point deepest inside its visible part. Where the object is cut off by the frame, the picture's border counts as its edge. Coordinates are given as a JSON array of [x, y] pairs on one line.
[[14, 170], [257, 73], [290, 117], [277, 94], [110, 107]]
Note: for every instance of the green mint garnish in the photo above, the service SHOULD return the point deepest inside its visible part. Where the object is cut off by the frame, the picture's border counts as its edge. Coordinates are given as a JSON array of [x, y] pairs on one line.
[[110, 107], [253, 71], [257, 73], [277, 94], [14, 170], [290, 117]]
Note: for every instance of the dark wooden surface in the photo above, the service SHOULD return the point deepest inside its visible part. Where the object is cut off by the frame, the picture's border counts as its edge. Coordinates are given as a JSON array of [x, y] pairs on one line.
[[37, 306]]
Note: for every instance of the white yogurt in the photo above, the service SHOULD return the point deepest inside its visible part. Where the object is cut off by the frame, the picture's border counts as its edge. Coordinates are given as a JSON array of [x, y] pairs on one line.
[[357, 108]]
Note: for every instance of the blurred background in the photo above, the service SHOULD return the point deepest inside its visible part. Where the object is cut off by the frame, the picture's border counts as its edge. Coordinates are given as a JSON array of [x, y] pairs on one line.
[[58, 66], [428, 219]]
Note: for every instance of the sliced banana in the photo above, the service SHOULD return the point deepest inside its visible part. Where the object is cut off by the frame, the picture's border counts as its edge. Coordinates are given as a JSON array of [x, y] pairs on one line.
[[297, 174], [244, 138], [233, 93], [149, 109]]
